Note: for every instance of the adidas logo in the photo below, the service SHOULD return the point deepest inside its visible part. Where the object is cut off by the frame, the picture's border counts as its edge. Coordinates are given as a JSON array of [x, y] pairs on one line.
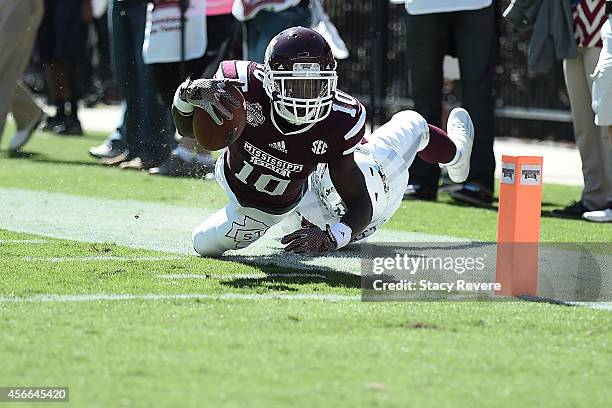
[[280, 146]]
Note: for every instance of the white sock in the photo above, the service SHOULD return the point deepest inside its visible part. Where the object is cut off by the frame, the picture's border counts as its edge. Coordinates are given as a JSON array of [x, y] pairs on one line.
[[455, 159]]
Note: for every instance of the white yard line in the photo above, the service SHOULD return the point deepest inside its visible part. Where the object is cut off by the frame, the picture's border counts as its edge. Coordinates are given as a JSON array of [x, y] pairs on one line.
[[103, 258], [594, 305], [242, 276], [110, 297], [23, 241], [168, 228], [187, 296]]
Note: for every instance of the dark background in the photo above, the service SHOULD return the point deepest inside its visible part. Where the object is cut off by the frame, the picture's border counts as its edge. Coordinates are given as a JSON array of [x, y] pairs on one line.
[[517, 92]]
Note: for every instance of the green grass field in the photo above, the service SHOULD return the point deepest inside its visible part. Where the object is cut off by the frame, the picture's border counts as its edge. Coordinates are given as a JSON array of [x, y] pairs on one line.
[[123, 326]]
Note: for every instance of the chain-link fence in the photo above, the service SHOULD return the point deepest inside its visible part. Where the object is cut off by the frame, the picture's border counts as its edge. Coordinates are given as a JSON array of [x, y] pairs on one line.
[[527, 106]]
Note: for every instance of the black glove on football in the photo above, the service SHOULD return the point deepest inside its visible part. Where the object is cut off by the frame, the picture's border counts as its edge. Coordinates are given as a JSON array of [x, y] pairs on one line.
[[207, 93], [309, 239]]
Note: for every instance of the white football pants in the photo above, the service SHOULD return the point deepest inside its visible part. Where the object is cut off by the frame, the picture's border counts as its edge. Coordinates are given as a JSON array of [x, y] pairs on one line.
[[394, 145], [233, 226]]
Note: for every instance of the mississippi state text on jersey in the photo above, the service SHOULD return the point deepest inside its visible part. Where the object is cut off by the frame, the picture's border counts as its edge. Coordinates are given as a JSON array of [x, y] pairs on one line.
[[268, 168]]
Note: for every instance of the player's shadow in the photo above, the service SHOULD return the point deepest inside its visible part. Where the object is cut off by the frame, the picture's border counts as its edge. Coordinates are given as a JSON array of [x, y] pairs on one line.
[[494, 208], [279, 277], [283, 269], [21, 155], [42, 158], [550, 214]]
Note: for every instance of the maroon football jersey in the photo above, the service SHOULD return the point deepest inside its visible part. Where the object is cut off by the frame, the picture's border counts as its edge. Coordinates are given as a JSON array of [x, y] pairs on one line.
[[267, 168]]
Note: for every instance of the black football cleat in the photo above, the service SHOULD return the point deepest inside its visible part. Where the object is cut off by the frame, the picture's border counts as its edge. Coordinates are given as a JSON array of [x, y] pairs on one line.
[[575, 209], [52, 122], [420, 192], [70, 127], [473, 194]]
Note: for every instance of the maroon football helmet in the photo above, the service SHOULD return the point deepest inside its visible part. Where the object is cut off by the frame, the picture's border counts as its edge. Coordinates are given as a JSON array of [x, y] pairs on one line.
[[300, 75]]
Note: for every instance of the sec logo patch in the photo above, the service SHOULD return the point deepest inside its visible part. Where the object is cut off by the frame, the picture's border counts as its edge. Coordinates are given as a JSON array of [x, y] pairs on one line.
[[319, 147]]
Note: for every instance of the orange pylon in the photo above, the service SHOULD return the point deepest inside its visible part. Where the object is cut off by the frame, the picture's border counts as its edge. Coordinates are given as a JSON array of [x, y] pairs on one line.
[[518, 225]]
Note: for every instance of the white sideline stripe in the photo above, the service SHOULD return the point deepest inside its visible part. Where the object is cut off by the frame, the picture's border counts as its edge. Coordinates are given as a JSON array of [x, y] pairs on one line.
[[103, 258], [189, 296], [159, 226], [23, 241], [242, 276], [595, 305], [223, 296]]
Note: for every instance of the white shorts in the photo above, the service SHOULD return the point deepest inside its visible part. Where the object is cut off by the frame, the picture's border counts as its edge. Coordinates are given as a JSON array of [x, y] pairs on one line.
[[602, 79], [233, 226]]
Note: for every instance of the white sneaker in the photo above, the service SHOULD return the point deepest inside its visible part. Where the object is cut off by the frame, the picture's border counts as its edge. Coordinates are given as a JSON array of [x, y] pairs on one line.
[[461, 131], [22, 136], [598, 216]]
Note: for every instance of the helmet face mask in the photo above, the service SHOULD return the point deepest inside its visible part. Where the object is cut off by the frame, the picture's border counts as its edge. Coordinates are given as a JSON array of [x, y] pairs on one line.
[[300, 75], [302, 97]]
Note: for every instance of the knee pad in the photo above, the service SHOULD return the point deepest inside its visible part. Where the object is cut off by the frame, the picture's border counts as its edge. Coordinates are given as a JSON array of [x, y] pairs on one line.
[[205, 243]]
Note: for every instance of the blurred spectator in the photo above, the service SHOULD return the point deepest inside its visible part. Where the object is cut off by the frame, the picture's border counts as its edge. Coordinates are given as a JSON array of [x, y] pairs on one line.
[[602, 105], [62, 39], [102, 86], [114, 150], [589, 17], [19, 21], [209, 29], [115, 145], [466, 29], [322, 24], [551, 28], [145, 133], [266, 18]]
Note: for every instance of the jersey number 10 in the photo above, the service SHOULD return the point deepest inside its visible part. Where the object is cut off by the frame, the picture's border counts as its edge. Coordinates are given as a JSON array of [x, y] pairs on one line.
[[275, 186], [263, 181]]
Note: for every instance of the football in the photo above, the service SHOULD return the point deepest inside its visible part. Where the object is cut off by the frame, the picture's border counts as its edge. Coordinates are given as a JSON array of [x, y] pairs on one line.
[[215, 137]]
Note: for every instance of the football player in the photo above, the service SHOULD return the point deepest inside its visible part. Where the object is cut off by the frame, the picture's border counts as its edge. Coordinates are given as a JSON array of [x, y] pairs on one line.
[[296, 119], [384, 159]]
